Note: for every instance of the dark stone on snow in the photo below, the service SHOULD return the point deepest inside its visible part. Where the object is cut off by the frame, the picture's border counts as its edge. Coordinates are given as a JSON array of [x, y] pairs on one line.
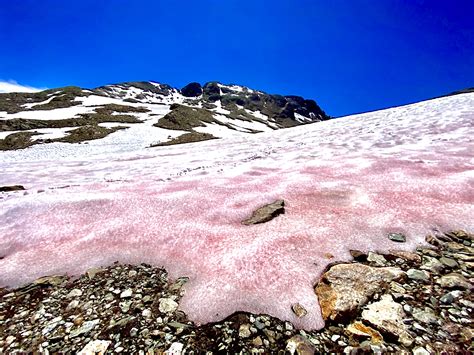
[[266, 213], [397, 237], [11, 188]]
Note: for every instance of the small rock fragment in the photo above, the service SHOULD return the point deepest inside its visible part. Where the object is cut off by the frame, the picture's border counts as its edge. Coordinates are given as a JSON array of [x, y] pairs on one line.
[[397, 237], [448, 262], [257, 341], [85, 328], [426, 315], [244, 331], [361, 330], [74, 293], [420, 351], [98, 347], [175, 349], [420, 275], [126, 294], [300, 346], [387, 316], [376, 258], [167, 305], [299, 310]]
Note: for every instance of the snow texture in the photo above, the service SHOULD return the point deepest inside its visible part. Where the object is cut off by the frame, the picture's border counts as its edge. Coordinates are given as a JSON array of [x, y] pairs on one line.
[[346, 184]]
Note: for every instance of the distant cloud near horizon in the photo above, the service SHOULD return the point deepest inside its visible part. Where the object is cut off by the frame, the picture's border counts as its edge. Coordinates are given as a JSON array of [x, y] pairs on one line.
[[13, 86]]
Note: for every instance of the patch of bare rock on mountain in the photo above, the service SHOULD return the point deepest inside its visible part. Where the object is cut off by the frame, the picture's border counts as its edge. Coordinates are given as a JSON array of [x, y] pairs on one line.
[[401, 302]]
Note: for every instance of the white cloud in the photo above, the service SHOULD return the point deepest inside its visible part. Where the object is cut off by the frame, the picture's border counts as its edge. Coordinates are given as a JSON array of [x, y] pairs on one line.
[[13, 86]]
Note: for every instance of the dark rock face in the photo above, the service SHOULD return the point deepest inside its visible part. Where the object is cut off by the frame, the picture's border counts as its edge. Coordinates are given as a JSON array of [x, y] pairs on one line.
[[266, 213], [192, 90], [211, 92]]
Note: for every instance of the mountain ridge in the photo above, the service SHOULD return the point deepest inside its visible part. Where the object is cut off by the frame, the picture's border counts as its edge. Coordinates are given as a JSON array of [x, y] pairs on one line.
[[199, 112]]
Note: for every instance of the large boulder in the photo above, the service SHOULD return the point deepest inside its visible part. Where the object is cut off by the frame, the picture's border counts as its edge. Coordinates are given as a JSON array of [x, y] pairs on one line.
[[344, 288]]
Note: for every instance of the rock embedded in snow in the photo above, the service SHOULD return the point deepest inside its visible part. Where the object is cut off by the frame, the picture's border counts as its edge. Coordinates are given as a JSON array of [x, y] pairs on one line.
[[397, 237], [266, 213], [299, 310], [346, 287], [387, 316], [11, 188]]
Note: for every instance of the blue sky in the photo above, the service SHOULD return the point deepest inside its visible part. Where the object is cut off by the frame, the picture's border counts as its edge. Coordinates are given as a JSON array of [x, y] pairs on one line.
[[350, 56]]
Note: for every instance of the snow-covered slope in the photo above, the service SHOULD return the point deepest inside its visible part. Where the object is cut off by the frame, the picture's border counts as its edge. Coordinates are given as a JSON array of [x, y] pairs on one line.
[[136, 115], [346, 184]]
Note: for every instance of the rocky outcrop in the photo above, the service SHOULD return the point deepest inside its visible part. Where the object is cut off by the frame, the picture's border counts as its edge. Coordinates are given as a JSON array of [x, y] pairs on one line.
[[192, 90], [344, 288]]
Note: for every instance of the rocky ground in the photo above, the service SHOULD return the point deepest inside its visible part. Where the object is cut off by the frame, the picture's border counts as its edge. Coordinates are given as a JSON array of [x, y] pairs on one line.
[[400, 302]]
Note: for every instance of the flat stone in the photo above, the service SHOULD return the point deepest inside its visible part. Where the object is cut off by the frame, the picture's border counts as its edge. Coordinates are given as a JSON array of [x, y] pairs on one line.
[[406, 255], [266, 213], [361, 330], [448, 298], [74, 293], [126, 294], [95, 347], [167, 305], [454, 280], [50, 280], [397, 237], [377, 259], [448, 262], [346, 287], [432, 264], [387, 316], [73, 304], [420, 275], [426, 315]]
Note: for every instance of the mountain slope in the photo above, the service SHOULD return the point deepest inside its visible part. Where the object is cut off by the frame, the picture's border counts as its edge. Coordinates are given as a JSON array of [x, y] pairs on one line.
[[156, 114]]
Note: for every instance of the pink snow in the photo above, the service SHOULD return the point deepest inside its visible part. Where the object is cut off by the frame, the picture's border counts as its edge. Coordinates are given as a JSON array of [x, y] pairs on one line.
[[346, 184]]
